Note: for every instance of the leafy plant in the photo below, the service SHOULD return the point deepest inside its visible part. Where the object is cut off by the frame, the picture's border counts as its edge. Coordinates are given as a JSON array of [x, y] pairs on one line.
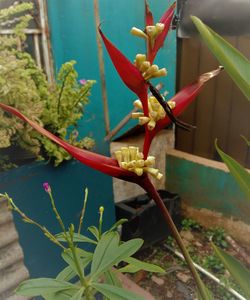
[[189, 224], [75, 281], [213, 263], [24, 86], [217, 235]]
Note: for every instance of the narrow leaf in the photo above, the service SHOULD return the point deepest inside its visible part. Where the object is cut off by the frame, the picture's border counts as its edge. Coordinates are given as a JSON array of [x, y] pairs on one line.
[[114, 292], [40, 286], [94, 231], [111, 278], [236, 269], [117, 224], [235, 63], [77, 295], [66, 274], [135, 265], [239, 173], [77, 238], [105, 250]]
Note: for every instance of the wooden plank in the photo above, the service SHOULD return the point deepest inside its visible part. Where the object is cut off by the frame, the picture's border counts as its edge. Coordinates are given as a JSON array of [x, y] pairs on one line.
[[222, 109], [205, 106], [188, 71]]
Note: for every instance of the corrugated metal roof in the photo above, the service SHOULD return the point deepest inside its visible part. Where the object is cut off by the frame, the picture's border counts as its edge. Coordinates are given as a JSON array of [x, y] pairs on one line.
[[12, 268]]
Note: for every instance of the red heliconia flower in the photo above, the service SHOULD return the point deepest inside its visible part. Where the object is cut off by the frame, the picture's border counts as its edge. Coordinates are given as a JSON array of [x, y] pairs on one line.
[[128, 72], [166, 19], [106, 165], [182, 100]]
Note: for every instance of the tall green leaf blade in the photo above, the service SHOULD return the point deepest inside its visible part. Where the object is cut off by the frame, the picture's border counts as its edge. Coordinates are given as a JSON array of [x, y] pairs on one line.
[[94, 230], [236, 269], [236, 64], [115, 293], [135, 265], [239, 173], [40, 286]]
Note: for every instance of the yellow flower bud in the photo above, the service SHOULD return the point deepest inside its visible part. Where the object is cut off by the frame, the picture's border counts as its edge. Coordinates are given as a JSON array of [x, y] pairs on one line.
[[137, 103], [144, 66], [159, 27], [139, 59], [101, 209], [151, 124], [138, 32], [136, 115], [143, 120]]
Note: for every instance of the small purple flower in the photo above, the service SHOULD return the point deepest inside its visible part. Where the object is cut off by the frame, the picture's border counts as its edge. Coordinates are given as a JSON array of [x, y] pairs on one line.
[[82, 81], [46, 187]]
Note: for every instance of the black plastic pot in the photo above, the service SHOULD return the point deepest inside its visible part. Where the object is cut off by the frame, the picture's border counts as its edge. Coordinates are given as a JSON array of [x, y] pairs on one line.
[[145, 219]]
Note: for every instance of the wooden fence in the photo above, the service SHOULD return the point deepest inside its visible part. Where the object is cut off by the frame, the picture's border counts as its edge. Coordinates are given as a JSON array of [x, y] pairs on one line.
[[221, 111]]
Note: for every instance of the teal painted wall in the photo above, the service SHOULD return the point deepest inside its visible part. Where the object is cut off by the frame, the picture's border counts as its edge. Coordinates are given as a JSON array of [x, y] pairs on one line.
[[68, 182], [205, 187], [73, 36]]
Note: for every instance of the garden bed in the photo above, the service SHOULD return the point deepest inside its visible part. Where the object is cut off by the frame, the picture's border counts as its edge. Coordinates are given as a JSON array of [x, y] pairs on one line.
[[177, 283]]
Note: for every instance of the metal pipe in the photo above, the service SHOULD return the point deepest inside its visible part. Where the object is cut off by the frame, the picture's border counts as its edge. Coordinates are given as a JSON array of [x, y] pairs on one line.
[[208, 274]]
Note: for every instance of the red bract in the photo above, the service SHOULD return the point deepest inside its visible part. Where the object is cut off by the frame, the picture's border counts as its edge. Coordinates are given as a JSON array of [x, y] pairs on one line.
[[149, 19], [182, 100], [166, 19], [95, 161], [128, 72]]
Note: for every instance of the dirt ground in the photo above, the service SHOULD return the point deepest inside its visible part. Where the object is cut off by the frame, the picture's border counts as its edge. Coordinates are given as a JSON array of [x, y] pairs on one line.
[[177, 283]]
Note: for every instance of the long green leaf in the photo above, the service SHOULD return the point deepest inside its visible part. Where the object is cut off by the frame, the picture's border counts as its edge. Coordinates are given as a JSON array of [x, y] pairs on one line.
[[236, 269], [239, 173], [77, 238], [40, 286], [114, 254], [115, 293], [135, 265], [236, 64], [105, 250]]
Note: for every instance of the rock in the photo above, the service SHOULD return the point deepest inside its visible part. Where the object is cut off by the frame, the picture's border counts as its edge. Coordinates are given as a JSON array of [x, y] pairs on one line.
[[157, 280], [183, 277], [198, 244], [187, 235], [169, 294]]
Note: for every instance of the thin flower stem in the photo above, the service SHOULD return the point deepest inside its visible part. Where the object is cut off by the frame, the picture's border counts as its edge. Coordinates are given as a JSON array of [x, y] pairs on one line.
[[83, 210], [26, 219], [149, 187], [58, 217], [83, 280]]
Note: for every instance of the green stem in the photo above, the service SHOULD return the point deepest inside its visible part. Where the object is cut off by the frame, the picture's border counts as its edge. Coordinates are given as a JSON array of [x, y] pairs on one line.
[[83, 210], [149, 187], [61, 91], [58, 217]]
